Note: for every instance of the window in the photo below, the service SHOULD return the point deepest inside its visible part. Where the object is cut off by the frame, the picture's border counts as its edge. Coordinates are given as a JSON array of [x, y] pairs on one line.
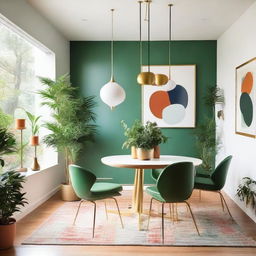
[[22, 60]]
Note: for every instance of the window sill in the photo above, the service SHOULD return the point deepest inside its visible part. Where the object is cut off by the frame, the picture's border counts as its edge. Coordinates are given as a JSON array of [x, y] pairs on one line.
[[30, 172]]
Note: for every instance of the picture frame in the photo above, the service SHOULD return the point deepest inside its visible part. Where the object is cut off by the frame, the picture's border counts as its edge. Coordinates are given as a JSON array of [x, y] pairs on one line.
[[168, 106], [245, 98]]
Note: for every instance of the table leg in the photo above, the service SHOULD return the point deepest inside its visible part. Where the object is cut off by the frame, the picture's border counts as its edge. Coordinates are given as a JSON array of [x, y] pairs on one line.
[[137, 198]]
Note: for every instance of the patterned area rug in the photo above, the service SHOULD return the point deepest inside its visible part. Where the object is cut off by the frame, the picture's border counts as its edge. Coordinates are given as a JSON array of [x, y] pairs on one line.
[[215, 226]]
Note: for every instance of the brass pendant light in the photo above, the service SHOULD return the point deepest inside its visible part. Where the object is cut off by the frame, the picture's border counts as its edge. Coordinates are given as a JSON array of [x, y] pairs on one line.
[[149, 78], [146, 78]]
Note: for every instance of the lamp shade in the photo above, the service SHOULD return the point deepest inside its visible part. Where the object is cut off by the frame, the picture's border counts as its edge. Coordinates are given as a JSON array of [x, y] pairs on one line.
[[146, 78], [161, 79], [112, 94]]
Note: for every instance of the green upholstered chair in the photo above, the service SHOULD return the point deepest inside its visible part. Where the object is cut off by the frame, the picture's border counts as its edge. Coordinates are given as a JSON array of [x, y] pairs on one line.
[[216, 181], [86, 188], [174, 185], [155, 173]]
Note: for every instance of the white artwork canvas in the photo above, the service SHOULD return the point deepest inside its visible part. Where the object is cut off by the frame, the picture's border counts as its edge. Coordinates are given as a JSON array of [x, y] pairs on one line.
[[171, 106]]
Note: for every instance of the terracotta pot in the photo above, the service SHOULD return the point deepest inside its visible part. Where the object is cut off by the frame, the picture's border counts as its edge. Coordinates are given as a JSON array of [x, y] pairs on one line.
[[145, 154], [7, 234], [68, 193], [34, 140], [134, 152], [157, 151]]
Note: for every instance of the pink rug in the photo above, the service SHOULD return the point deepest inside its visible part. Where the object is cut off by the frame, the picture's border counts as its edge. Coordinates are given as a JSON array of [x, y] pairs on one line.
[[215, 226]]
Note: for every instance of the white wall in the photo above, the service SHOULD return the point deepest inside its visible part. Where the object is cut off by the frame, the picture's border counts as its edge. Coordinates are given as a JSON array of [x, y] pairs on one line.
[[39, 186], [236, 46]]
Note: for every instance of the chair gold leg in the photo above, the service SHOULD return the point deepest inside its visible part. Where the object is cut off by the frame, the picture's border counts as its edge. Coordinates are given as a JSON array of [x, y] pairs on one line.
[[118, 212], [192, 216], [149, 213], [200, 195], [94, 217], [226, 205], [170, 209], [78, 208], [221, 200], [106, 211], [162, 222]]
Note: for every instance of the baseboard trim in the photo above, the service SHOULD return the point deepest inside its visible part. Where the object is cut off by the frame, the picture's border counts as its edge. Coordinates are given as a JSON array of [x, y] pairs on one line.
[[31, 207]]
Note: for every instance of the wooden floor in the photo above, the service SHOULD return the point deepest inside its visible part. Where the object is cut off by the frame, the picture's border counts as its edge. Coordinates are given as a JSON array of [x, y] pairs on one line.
[[33, 220]]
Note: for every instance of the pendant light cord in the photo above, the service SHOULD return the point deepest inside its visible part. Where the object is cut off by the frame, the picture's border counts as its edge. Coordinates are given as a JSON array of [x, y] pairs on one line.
[[170, 34], [112, 45], [140, 2], [148, 36]]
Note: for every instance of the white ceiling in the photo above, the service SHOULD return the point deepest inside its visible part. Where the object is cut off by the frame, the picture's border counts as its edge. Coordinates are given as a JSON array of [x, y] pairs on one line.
[[91, 19]]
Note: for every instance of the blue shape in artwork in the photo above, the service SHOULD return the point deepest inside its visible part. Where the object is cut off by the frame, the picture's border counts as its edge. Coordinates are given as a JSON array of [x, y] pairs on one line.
[[178, 95]]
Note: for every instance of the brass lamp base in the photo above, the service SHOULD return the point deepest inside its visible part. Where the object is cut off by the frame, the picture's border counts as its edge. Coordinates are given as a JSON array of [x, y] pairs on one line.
[[36, 166]]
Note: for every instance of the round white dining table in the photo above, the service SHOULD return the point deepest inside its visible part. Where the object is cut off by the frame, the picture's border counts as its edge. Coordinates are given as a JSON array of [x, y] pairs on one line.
[[126, 161]]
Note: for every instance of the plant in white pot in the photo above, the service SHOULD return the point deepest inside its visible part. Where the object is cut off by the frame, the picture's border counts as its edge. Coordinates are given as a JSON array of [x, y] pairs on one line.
[[131, 135], [11, 199], [71, 127], [144, 143], [157, 137]]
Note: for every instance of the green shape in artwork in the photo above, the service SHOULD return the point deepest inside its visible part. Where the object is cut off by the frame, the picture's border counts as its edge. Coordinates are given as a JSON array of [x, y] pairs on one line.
[[246, 108]]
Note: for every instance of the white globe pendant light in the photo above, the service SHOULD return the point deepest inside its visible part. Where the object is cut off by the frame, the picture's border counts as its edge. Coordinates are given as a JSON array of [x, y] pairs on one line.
[[112, 93]]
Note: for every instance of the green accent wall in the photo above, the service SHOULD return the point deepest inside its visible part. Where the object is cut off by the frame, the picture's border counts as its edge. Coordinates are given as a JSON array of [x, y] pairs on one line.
[[90, 70]]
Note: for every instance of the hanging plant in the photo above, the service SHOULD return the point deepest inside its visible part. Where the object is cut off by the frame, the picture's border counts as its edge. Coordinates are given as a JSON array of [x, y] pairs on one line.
[[247, 192]]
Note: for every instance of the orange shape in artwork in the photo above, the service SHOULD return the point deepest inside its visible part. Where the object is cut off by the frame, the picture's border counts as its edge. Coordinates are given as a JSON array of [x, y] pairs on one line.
[[158, 101], [247, 83]]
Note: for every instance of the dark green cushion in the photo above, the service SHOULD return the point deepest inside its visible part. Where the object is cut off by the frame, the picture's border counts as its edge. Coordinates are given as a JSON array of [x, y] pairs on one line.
[[204, 183], [104, 187], [203, 173], [153, 191]]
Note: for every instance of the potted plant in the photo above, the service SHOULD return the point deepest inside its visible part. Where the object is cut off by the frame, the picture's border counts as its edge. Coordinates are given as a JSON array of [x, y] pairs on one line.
[[247, 192], [157, 137], [7, 144], [34, 139], [11, 198], [206, 140], [71, 127], [131, 134]]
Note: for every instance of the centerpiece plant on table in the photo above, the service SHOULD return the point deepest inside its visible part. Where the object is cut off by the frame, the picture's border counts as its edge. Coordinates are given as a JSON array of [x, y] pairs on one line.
[[143, 139], [131, 135], [11, 199], [157, 137], [72, 124]]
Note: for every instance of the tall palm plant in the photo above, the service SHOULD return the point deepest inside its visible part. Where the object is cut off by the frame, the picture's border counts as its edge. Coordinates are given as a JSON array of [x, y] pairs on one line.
[[72, 115]]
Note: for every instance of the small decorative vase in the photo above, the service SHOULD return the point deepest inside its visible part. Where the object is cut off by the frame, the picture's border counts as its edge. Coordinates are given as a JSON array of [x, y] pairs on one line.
[[157, 151], [145, 154], [134, 152], [36, 166]]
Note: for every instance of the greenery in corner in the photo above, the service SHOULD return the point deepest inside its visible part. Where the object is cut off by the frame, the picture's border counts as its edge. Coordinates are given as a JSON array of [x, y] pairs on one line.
[[140, 136], [205, 133], [33, 122], [247, 192], [71, 127], [5, 120], [7, 144], [11, 197]]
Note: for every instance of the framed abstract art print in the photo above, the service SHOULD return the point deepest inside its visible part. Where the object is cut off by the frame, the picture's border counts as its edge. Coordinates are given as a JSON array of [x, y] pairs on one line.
[[171, 106], [246, 99]]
